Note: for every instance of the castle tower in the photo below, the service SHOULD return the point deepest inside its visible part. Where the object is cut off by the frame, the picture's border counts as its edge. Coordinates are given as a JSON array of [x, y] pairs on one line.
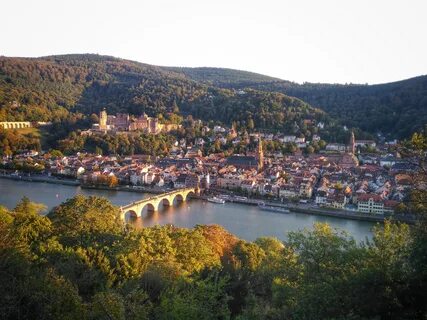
[[103, 120], [260, 155], [153, 125], [352, 144]]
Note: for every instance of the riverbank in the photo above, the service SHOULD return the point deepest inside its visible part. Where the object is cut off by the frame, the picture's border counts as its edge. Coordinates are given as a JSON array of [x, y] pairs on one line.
[[247, 222], [335, 213], [352, 215], [72, 182], [125, 188], [67, 182]]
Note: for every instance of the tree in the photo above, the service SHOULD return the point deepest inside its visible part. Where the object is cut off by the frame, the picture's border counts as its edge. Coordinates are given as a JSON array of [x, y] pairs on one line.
[[414, 152], [310, 150], [56, 153], [175, 108], [86, 220], [31, 229], [108, 306], [322, 144], [251, 124], [200, 299], [112, 181], [98, 151], [194, 252], [324, 258]]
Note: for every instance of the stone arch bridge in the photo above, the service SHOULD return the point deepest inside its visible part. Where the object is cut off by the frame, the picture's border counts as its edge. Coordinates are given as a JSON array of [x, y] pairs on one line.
[[156, 202]]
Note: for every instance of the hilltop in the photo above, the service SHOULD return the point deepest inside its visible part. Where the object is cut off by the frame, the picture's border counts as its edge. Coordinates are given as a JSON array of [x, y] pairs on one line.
[[222, 76], [49, 88], [395, 109]]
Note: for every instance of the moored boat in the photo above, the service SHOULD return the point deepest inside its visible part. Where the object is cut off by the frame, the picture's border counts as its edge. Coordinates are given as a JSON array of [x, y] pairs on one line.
[[216, 200], [273, 208]]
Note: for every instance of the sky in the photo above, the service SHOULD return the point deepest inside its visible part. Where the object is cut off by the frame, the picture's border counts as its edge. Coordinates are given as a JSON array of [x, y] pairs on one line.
[[334, 41]]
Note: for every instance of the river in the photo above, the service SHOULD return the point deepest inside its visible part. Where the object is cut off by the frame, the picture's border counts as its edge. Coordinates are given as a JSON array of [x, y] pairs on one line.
[[247, 222]]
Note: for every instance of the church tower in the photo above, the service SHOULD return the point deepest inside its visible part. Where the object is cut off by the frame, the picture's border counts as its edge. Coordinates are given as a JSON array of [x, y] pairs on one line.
[[103, 120], [352, 145], [260, 155]]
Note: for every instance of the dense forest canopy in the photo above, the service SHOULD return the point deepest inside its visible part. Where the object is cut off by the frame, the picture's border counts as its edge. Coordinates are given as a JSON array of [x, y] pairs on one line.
[[49, 88], [46, 88], [79, 262], [394, 109], [218, 76]]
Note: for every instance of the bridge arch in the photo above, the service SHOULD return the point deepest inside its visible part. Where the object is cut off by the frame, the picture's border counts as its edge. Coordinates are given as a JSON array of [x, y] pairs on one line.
[[130, 213], [189, 194], [164, 203], [178, 198], [149, 207]]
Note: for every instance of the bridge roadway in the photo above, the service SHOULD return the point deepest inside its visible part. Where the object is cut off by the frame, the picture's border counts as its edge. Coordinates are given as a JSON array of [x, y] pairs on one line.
[[156, 202]]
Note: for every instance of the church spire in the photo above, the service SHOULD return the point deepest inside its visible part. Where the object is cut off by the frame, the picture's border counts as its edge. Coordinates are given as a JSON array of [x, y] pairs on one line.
[[260, 155], [352, 145], [103, 119]]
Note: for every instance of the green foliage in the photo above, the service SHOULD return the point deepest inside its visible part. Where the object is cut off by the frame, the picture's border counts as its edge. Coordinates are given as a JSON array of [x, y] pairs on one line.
[[62, 88], [199, 299], [55, 153], [84, 221], [11, 141], [396, 109], [138, 143], [414, 151], [107, 305], [221, 76], [79, 263], [48, 88], [255, 109]]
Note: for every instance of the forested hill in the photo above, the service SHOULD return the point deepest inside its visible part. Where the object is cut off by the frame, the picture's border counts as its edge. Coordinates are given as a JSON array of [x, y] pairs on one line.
[[50, 87], [222, 76], [395, 109]]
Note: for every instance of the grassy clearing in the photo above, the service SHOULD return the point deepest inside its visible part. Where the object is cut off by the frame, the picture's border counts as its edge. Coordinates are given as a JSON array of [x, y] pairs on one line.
[[25, 131]]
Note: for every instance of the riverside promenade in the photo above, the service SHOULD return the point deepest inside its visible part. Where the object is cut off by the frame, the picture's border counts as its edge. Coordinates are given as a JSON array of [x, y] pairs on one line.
[[304, 209], [39, 178]]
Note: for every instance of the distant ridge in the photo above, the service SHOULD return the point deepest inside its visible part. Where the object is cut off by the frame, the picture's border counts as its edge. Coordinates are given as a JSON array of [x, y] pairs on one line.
[[218, 76], [46, 88], [395, 109], [55, 87]]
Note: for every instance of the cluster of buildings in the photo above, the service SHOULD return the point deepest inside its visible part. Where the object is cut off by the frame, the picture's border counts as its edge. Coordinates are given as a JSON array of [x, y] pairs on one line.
[[338, 177], [123, 122]]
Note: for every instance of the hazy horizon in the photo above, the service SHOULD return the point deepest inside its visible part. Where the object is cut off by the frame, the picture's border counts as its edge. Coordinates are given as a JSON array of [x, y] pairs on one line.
[[306, 41]]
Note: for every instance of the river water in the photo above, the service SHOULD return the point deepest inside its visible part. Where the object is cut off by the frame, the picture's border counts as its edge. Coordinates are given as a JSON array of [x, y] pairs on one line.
[[247, 222]]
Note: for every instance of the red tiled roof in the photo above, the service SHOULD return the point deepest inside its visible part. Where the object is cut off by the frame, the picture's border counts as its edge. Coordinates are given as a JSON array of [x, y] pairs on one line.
[[366, 197], [390, 203]]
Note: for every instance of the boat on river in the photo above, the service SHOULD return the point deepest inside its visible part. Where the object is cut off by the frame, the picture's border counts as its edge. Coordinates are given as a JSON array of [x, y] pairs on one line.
[[216, 200], [272, 208]]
